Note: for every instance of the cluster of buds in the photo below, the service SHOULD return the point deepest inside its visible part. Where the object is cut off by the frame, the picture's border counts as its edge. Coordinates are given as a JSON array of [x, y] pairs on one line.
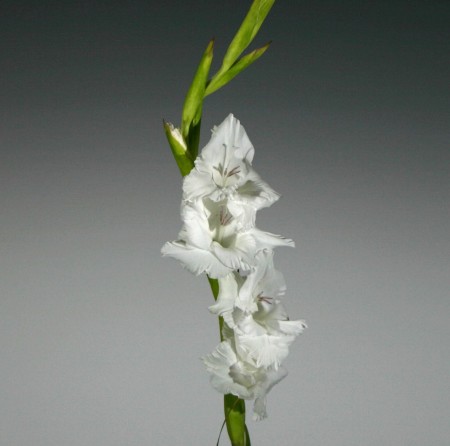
[[221, 196]]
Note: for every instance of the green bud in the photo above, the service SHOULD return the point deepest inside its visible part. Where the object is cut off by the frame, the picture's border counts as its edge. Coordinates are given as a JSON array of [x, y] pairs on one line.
[[179, 148]]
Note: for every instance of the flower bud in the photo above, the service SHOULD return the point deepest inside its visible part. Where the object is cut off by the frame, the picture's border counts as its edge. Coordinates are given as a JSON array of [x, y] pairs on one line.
[[179, 148]]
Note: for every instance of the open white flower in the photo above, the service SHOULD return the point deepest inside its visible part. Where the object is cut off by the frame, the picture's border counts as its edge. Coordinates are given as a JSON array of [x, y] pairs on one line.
[[215, 242], [242, 293], [265, 336], [263, 280], [261, 327], [223, 170], [230, 374]]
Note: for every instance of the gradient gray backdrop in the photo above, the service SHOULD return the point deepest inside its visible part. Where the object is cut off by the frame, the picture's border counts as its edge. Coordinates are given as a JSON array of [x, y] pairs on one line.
[[100, 338]]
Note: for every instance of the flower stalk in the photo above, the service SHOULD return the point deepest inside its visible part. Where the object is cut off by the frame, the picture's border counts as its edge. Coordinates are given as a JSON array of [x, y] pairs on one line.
[[219, 238], [234, 409]]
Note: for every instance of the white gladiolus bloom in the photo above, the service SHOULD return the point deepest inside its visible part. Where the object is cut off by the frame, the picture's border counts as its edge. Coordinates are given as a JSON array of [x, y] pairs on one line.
[[264, 280], [215, 242], [230, 374], [223, 170], [262, 330], [265, 338], [244, 293]]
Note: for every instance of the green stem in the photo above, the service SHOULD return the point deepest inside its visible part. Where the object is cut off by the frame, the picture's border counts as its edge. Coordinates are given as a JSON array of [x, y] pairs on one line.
[[184, 143], [235, 420]]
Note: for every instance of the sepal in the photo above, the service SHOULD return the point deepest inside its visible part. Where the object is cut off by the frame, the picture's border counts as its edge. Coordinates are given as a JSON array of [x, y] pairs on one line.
[[179, 148]]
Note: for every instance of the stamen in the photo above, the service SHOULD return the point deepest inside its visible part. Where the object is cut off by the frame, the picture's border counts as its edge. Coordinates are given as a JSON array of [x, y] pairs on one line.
[[233, 171], [224, 216], [212, 177], [267, 300]]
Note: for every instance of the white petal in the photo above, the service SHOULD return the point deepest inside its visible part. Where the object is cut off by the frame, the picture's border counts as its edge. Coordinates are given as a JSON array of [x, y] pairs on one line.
[[196, 230], [255, 192], [218, 365], [272, 283], [222, 356], [246, 300], [197, 184], [273, 377], [244, 215], [233, 258], [195, 260], [265, 350], [230, 134], [228, 287], [267, 240], [292, 327], [259, 409], [275, 318]]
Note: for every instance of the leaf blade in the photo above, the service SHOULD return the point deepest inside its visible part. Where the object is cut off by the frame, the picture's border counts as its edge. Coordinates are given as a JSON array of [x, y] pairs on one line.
[[247, 31], [239, 66], [192, 108]]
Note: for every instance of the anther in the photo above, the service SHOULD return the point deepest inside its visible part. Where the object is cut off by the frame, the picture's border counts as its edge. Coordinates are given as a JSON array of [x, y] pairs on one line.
[[267, 300], [233, 171], [224, 217]]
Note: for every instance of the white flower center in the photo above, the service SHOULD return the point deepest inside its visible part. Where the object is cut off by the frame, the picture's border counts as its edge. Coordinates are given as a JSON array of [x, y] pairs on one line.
[[243, 374], [221, 224], [225, 176]]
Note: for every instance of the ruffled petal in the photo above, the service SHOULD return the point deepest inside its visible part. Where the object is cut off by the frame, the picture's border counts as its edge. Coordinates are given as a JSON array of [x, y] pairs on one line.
[[197, 183], [255, 192], [294, 328], [231, 257], [228, 288], [218, 364], [259, 409], [267, 240], [264, 282], [196, 231], [272, 378], [229, 134], [195, 260], [265, 350]]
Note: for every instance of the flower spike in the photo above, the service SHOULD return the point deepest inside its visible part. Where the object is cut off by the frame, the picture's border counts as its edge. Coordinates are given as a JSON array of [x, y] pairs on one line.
[[222, 193]]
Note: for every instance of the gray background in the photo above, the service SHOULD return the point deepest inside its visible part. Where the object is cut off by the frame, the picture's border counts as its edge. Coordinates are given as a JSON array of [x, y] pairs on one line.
[[100, 338]]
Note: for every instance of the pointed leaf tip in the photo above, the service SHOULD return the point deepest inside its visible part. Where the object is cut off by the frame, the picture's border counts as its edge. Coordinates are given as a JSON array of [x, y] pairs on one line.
[[221, 79], [192, 109]]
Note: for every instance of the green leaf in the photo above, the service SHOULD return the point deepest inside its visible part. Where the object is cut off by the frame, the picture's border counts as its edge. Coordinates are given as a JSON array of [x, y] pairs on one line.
[[247, 437], [179, 148], [192, 109], [240, 65], [235, 420], [246, 32], [214, 284]]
